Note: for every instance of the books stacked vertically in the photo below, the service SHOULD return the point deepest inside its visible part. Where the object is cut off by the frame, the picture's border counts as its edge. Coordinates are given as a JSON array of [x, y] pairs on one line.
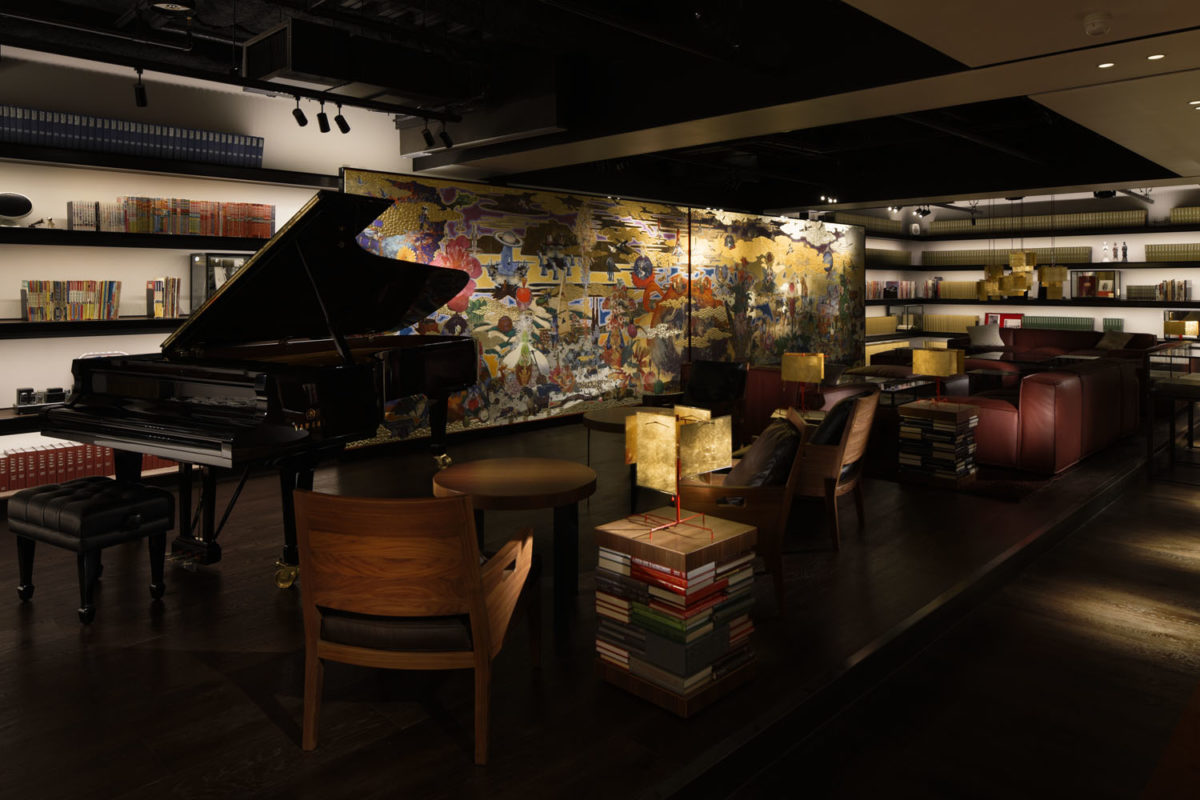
[[60, 301], [162, 297], [173, 215], [35, 460], [672, 626], [28, 126], [937, 441]]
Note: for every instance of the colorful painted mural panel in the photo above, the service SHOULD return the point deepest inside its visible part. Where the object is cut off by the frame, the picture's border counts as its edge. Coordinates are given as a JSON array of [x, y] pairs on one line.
[[763, 286], [574, 301]]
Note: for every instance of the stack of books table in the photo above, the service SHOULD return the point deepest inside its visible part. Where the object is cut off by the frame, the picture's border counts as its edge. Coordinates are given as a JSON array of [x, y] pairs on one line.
[[673, 608], [937, 441]]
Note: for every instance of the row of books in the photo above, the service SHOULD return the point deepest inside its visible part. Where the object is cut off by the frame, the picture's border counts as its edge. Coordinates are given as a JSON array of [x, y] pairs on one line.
[[964, 257], [1163, 290], [57, 462], [173, 215], [39, 128], [677, 630], [162, 297], [61, 301], [888, 290], [1040, 222]]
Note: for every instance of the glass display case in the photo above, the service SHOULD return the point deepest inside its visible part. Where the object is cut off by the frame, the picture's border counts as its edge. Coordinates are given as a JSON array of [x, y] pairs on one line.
[[1099, 283], [909, 316], [1181, 323], [209, 271]]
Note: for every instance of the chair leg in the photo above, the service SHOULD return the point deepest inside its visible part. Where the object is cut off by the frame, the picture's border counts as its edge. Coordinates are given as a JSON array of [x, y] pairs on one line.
[[831, 509], [860, 506], [88, 564], [483, 680], [774, 563], [532, 597], [314, 678], [25, 567], [158, 550]]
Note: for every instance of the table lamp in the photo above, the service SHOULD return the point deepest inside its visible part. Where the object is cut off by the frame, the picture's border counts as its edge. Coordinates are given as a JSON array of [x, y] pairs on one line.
[[937, 364], [802, 368], [670, 447]]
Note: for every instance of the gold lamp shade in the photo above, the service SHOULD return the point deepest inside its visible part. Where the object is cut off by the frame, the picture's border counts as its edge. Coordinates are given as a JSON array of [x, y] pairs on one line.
[[803, 367], [937, 363], [667, 447]]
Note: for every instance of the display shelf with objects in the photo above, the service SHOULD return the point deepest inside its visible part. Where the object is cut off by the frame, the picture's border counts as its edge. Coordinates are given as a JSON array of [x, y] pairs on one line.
[[1159, 257], [673, 608], [39, 352]]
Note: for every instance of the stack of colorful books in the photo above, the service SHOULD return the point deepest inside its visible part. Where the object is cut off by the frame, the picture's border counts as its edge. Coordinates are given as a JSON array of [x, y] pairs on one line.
[[679, 630]]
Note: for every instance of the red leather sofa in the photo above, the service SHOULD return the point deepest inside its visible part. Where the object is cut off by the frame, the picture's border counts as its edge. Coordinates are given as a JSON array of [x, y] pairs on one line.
[[1053, 419]]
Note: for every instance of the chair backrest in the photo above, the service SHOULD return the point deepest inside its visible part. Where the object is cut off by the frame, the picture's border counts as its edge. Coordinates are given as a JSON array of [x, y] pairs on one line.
[[389, 557], [858, 427]]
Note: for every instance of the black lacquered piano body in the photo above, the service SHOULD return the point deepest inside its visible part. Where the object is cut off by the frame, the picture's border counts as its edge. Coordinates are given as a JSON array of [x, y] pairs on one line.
[[290, 359]]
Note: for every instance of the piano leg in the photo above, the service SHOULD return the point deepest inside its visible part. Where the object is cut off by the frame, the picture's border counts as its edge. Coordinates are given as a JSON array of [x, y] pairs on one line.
[[127, 465], [292, 476], [202, 549], [437, 430]]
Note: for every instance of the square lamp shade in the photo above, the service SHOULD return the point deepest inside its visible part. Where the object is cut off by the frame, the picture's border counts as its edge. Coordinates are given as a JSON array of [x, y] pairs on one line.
[[803, 367], [937, 363], [1181, 327], [668, 447]]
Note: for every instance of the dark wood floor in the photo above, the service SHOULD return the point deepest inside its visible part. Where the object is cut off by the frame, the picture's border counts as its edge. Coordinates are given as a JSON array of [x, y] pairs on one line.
[[1066, 683], [200, 695]]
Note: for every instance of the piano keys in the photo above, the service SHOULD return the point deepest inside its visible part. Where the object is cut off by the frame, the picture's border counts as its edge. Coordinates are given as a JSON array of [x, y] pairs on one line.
[[289, 360]]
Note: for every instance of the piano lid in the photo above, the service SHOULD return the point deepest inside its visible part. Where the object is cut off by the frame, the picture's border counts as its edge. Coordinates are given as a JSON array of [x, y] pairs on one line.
[[271, 298]]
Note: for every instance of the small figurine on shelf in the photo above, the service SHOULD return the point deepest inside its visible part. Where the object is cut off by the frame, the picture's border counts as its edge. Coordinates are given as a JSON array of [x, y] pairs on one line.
[[1105, 254], [1124, 251]]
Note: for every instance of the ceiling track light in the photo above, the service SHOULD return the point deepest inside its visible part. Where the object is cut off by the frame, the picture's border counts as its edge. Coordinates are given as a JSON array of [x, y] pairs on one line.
[[301, 120], [445, 137], [340, 121], [139, 90], [323, 119], [427, 135]]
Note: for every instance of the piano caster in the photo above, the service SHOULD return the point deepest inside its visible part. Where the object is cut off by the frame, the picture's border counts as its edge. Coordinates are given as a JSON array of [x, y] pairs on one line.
[[442, 461], [286, 574]]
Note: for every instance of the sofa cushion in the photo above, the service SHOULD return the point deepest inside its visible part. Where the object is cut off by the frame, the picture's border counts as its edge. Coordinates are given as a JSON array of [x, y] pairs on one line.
[[985, 336], [1113, 340], [769, 459]]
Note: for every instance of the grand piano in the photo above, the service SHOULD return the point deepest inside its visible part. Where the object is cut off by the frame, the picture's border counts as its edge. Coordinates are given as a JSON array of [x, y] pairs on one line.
[[285, 363]]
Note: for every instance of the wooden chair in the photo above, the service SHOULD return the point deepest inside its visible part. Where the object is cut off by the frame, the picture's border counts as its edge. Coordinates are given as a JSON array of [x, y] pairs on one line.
[[397, 583], [818, 470]]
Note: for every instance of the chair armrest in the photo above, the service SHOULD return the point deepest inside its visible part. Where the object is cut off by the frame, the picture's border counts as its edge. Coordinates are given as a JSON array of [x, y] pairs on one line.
[[503, 576]]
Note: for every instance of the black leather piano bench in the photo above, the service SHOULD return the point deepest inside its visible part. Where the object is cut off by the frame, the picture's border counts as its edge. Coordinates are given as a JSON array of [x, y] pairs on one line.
[[87, 515]]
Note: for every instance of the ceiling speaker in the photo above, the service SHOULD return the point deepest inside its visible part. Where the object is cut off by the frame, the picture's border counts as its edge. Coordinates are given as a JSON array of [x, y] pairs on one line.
[[13, 207]]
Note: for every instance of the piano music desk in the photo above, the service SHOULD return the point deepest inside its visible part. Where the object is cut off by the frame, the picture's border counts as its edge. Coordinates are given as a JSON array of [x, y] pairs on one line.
[[523, 484]]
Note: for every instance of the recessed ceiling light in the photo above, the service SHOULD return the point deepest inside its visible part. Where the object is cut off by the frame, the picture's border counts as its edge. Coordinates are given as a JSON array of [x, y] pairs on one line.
[[1194, 102], [1155, 57], [1106, 65]]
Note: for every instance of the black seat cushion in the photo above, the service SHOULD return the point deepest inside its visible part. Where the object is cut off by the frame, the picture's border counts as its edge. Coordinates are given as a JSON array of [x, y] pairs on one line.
[[90, 512], [769, 459], [430, 634]]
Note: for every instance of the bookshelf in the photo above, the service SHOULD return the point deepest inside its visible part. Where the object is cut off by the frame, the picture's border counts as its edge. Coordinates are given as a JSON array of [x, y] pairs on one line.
[[39, 354]]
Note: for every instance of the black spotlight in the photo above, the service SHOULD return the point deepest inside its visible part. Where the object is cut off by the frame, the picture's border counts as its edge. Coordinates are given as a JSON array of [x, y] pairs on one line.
[[445, 137], [1104, 194], [301, 120], [323, 119], [340, 121], [428, 136], [139, 91]]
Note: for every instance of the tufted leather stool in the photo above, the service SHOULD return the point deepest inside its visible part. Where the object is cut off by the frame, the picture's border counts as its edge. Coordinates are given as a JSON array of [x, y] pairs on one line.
[[87, 515]]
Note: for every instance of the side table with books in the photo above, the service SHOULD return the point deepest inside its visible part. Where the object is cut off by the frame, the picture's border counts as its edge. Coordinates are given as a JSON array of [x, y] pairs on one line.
[[673, 608], [937, 442]]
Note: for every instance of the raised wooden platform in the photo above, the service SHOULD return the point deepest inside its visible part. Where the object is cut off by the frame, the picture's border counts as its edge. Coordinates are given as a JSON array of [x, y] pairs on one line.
[[201, 695]]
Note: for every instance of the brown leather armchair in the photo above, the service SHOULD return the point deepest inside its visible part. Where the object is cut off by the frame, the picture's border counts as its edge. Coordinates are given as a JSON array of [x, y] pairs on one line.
[[397, 583]]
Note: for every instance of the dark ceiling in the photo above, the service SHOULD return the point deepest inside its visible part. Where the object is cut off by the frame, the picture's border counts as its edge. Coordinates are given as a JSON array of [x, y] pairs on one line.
[[623, 65]]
